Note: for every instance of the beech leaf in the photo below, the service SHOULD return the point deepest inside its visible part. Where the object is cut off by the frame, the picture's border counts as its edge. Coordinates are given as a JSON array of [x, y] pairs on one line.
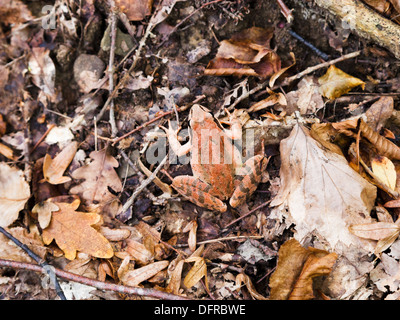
[[335, 82], [72, 230]]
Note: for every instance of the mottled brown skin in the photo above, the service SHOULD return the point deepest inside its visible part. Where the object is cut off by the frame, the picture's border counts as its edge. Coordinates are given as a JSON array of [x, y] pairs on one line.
[[214, 160]]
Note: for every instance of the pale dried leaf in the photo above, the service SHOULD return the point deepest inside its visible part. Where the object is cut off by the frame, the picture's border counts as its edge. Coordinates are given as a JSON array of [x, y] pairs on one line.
[[323, 193], [135, 277], [375, 231], [14, 193], [174, 284], [384, 169], [44, 211], [139, 252], [53, 169], [43, 71]]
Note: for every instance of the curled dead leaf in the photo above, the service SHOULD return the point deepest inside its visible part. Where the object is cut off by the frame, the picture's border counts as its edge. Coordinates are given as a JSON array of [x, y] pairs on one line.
[[335, 82], [296, 269], [196, 273], [244, 278]]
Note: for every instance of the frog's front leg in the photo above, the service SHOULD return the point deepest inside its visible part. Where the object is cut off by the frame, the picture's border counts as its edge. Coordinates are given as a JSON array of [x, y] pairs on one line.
[[198, 192], [247, 179], [172, 135]]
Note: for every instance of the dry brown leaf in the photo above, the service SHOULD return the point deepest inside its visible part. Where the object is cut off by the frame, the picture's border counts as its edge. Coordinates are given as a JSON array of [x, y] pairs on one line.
[[274, 98], [14, 193], [296, 269], [323, 193], [375, 231], [9, 250], [7, 152], [44, 211], [174, 284], [246, 53], [379, 112], [163, 186], [53, 169], [334, 83], [139, 252], [196, 273], [98, 175], [135, 277], [135, 10], [72, 230], [244, 278], [191, 227], [323, 132], [14, 12], [384, 169], [114, 234]]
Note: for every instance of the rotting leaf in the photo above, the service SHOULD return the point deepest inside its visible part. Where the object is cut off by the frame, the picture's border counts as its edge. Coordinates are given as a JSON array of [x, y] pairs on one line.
[[72, 230], [335, 82], [296, 269], [98, 175], [53, 169], [14, 193]]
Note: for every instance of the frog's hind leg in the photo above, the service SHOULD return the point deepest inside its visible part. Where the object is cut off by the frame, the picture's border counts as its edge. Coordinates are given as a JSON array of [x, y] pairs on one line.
[[247, 179], [198, 192]]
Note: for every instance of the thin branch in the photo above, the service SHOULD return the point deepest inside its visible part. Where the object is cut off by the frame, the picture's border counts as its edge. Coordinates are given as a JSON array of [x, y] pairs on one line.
[[94, 283], [113, 35], [247, 214], [42, 264]]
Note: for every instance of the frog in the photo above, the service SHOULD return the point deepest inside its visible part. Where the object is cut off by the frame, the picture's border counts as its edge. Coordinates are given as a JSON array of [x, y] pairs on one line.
[[218, 172]]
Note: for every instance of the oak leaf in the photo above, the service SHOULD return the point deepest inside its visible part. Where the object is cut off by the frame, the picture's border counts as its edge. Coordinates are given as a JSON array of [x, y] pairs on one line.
[[72, 230], [335, 82], [98, 175], [296, 269], [14, 193]]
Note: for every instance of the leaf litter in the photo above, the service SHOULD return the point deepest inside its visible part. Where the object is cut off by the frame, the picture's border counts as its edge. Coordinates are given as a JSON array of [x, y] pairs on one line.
[[323, 222]]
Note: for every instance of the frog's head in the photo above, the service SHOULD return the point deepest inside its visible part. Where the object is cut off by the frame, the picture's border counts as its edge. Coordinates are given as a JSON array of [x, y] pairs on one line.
[[199, 114]]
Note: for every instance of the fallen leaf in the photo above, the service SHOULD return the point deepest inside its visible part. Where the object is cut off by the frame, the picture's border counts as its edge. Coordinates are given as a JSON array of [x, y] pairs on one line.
[[247, 53], [135, 277], [53, 169], [14, 193], [197, 272], [43, 71], [296, 269], [379, 112], [323, 193], [14, 12], [135, 10], [98, 175], [274, 98], [174, 284], [375, 231], [384, 169], [72, 230], [44, 211], [139, 252], [334, 83], [191, 227]]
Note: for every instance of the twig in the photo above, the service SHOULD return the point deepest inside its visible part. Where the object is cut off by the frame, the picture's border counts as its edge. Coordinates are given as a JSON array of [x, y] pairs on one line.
[[138, 52], [113, 35], [42, 138], [144, 184], [287, 13], [297, 76], [220, 239], [94, 283], [247, 214], [43, 264], [310, 45]]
